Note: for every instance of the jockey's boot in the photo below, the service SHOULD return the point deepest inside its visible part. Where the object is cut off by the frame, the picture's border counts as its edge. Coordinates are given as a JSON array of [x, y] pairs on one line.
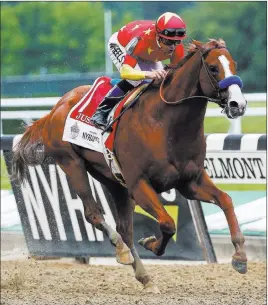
[[111, 99]]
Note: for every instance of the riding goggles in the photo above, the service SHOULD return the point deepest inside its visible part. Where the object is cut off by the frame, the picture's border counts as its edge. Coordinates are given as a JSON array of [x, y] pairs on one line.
[[169, 42], [174, 32]]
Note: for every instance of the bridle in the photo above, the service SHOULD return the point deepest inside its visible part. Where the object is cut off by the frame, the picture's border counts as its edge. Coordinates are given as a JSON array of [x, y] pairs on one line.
[[217, 86]]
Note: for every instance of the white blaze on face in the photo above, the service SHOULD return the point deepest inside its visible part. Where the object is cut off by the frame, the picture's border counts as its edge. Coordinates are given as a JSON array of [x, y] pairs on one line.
[[235, 93]]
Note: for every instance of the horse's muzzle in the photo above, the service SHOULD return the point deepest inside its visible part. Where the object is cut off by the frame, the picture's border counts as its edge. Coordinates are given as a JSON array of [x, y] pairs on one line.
[[233, 111]]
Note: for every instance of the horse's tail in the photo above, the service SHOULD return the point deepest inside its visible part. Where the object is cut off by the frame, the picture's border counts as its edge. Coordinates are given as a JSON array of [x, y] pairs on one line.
[[29, 150]]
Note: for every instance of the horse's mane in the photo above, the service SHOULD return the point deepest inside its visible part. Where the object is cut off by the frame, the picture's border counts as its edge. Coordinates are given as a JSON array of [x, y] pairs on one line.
[[212, 43], [192, 48]]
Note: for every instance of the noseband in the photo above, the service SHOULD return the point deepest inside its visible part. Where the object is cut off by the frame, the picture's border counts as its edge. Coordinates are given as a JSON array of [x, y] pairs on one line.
[[217, 86]]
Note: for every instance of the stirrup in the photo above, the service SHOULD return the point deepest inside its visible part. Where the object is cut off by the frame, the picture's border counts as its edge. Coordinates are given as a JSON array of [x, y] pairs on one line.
[[103, 126], [99, 125]]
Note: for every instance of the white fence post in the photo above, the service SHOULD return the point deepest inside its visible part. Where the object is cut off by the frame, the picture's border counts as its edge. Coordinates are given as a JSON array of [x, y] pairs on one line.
[[236, 126]]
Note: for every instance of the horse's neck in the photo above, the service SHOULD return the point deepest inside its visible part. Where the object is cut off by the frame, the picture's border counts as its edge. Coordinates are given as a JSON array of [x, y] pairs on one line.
[[190, 114], [185, 80], [186, 119]]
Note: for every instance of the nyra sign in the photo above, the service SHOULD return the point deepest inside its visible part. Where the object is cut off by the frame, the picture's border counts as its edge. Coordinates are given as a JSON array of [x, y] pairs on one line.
[[34, 203], [52, 217]]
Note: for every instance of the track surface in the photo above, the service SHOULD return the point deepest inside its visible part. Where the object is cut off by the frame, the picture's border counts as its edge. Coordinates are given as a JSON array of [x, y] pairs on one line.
[[26, 282]]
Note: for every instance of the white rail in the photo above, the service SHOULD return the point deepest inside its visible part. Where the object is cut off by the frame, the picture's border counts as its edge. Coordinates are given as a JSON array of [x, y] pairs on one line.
[[29, 102], [24, 114], [49, 102], [36, 114]]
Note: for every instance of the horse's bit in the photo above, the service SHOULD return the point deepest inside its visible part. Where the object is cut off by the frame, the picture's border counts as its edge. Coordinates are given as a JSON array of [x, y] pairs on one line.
[[217, 86]]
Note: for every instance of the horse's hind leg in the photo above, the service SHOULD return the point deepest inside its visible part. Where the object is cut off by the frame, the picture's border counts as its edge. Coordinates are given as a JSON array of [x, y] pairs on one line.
[[205, 190], [124, 220], [75, 170]]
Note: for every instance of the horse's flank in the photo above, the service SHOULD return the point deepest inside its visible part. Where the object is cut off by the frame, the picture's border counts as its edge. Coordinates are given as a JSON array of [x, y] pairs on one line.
[[31, 149]]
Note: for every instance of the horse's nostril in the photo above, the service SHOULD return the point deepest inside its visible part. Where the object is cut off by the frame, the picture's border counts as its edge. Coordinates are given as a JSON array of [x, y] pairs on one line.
[[233, 104]]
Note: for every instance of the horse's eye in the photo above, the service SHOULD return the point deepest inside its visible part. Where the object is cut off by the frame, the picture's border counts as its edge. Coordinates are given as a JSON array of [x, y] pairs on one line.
[[213, 69]]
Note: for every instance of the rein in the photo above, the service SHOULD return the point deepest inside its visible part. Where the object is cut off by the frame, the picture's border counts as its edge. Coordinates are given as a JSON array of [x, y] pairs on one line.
[[211, 78]]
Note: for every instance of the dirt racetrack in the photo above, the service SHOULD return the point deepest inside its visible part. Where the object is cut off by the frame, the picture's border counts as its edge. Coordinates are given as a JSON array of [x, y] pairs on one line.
[[31, 282]]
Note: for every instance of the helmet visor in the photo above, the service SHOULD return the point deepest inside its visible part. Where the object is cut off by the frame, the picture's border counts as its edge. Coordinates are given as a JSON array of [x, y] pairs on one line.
[[173, 32]]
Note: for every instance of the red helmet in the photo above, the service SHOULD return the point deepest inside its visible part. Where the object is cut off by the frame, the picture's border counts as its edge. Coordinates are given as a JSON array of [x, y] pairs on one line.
[[171, 26]]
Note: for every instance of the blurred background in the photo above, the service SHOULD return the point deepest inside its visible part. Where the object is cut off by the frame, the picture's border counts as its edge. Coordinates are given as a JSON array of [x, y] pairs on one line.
[[44, 38]]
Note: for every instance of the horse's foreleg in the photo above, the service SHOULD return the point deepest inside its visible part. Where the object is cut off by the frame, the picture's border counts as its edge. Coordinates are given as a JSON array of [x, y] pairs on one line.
[[125, 209], [205, 190], [147, 198], [75, 170]]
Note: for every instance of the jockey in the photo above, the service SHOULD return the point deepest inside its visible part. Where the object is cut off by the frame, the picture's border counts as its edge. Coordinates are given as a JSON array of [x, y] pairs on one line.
[[137, 50]]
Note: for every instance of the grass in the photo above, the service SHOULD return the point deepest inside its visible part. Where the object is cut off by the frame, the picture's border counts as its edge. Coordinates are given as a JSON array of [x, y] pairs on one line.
[[5, 184], [242, 187], [249, 124]]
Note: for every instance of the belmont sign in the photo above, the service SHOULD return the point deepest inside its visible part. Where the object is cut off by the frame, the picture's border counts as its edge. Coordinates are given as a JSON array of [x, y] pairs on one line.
[[236, 167]]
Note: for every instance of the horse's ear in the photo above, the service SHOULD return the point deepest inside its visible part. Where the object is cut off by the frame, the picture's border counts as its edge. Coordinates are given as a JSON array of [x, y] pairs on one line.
[[222, 42], [193, 45], [197, 44]]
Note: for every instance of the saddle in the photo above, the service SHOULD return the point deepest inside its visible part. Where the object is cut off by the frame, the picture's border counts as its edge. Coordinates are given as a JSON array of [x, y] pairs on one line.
[[131, 99]]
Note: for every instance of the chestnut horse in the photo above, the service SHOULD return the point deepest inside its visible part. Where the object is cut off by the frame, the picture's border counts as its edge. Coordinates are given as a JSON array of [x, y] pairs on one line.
[[159, 144]]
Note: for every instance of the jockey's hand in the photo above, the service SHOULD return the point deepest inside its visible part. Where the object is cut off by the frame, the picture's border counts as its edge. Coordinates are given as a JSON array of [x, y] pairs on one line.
[[157, 75]]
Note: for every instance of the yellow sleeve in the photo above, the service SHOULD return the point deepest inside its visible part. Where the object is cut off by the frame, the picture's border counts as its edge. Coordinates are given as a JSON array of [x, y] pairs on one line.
[[127, 72]]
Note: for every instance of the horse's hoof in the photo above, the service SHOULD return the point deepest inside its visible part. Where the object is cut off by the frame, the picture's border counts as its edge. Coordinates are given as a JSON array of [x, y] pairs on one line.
[[150, 287], [146, 241], [123, 254], [240, 267]]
